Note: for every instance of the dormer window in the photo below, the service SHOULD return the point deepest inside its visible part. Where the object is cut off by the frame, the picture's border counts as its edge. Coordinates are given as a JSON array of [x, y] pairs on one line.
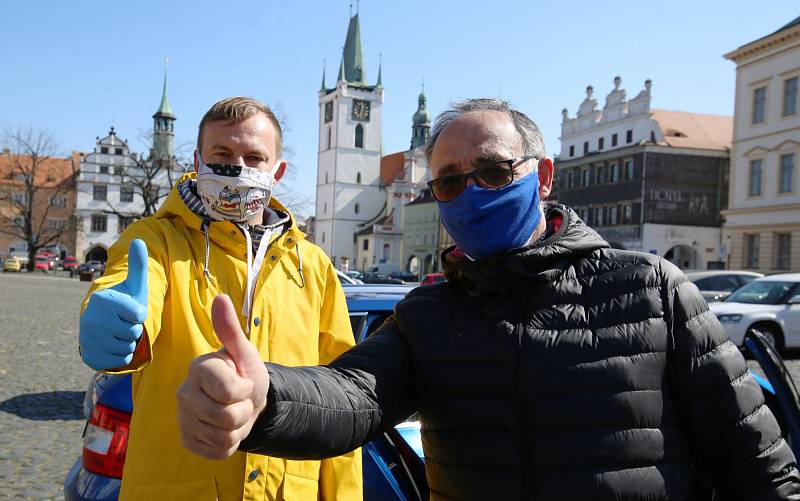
[[104, 149], [118, 151]]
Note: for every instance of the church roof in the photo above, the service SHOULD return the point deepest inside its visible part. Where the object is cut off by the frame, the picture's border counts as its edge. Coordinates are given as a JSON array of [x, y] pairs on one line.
[[352, 56], [164, 109], [387, 220], [695, 130], [391, 166], [425, 197]]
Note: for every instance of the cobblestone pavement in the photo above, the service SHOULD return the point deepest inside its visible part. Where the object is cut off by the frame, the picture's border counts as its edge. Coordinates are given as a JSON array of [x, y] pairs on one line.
[[42, 383]]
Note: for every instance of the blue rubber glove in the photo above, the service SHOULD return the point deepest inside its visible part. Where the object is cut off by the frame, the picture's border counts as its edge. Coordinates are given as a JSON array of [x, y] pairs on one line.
[[111, 324]]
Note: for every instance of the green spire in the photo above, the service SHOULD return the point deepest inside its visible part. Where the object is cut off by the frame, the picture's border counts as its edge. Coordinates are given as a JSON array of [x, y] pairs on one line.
[[380, 70], [421, 122], [165, 109], [323, 75], [352, 56]]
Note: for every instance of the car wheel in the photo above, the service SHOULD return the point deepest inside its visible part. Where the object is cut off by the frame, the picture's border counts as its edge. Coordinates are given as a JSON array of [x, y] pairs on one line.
[[770, 332]]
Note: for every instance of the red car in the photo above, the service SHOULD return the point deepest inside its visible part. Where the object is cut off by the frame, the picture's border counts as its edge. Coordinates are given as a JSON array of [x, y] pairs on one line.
[[433, 278], [69, 263], [43, 263]]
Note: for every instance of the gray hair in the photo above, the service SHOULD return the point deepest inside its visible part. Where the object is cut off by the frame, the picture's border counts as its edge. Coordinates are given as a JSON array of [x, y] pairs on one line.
[[530, 137]]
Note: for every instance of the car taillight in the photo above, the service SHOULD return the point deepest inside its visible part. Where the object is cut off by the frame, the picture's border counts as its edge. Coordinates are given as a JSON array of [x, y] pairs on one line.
[[105, 441]]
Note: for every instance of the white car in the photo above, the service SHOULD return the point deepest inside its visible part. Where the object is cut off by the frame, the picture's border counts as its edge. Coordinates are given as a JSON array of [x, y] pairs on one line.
[[769, 304]]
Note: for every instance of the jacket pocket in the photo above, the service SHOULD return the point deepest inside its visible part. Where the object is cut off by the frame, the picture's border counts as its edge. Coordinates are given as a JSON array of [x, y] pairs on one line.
[[299, 488], [204, 489]]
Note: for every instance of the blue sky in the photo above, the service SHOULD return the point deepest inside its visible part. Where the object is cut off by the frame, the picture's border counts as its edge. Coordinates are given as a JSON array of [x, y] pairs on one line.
[[73, 67]]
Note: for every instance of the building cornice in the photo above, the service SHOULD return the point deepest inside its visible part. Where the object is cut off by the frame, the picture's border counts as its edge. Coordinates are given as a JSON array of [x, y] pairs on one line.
[[760, 210], [766, 43]]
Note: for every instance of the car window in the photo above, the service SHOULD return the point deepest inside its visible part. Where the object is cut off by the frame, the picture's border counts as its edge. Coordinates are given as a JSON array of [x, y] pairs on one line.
[[762, 292], [357, 321], [377, 321], [746, 279], [727, 283]]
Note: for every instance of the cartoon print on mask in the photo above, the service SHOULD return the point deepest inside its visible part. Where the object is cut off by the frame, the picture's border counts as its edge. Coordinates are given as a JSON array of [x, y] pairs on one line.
[[228, 203]]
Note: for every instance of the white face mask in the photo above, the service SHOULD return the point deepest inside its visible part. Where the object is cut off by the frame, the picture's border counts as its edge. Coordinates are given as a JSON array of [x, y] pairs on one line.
[[232, 192]]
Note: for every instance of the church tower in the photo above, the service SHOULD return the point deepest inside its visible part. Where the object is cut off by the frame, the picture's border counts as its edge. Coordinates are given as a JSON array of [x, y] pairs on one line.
[[164, 128], [421, 123], [349, 188]]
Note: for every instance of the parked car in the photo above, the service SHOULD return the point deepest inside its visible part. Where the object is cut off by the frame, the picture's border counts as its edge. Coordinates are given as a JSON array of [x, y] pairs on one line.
[[716, 285], [91, 267], [43, 263], [393, 464], [433, 278], [354, 274], [769, 304], [346, 279], [380, 278], [69, 263], [12, 263], [405, 276]]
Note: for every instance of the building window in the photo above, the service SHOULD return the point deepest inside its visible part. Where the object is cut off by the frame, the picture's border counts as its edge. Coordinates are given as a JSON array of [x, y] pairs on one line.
[[365, 244], [755, 178], [614, 172], [20, 198], [569, 180], [329, 138], [103, 169], [628, 170], [323, 237], [787, 174], [56, 224], [572, 150], [118, 151], [103, 149], [126, 193], [612, 214], [751, 244], [759, 104], [600, 143], [599, 216], [326, 178], [613, 139], [359, 136], [358, 178], [58, 201], [585, 147], [99, 223], [783, 251], [586, 177], [790, 96], [629, 136], [124, 222], [601, 174], [357, 208], [325, 208], [99, 192], [627, 213]]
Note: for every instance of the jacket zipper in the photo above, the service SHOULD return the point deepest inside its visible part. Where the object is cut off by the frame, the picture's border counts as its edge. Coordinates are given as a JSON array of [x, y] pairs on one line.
[[526, 450]]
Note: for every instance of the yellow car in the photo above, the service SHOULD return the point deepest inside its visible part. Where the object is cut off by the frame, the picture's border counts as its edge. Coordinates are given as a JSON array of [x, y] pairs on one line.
[[12, 264]]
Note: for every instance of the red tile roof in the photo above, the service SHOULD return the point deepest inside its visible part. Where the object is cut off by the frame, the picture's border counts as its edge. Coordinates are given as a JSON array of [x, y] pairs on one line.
[[391, 166], [695, 130]]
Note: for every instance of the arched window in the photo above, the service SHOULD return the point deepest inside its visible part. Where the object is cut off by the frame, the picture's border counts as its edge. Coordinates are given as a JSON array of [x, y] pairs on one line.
[[358, 178], [358, 208], [323, 237], [359, 136], [386, 252], [326, 178], [329, 138]]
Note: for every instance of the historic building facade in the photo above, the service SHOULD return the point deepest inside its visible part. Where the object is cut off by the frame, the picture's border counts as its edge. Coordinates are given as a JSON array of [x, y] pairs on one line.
[[645, 179], [762, 223], [116, 186]]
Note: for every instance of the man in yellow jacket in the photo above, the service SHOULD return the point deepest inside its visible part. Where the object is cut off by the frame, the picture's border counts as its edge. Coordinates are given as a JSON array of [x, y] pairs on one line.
[[218, 232]]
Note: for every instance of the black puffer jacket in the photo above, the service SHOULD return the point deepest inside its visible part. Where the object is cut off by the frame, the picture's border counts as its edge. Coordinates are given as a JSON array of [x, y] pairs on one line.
[[562, 371]]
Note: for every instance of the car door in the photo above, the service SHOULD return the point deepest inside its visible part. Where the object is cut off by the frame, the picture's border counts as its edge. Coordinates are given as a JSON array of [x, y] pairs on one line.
[[791, 320]]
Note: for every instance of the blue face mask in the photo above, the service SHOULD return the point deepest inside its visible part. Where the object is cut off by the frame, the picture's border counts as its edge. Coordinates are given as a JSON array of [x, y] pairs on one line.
[[484, 222]]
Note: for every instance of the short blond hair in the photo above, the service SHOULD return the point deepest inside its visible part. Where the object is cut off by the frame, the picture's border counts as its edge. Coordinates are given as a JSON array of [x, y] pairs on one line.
[[237, 109]]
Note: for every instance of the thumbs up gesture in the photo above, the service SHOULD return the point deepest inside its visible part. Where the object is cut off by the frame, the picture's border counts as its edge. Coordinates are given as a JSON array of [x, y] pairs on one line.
[[224, 392], [112, 322]]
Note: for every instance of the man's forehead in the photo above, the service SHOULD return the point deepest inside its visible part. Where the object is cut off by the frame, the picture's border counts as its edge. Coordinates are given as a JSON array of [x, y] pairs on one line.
[[476, 133], [253, 131]]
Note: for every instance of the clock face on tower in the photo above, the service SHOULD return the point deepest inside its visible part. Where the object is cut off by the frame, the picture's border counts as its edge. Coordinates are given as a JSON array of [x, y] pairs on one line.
[[328, 111], [361, 110]]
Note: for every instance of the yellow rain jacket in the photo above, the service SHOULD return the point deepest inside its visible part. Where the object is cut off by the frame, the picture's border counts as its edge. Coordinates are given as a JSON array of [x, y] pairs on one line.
[[298, 318]]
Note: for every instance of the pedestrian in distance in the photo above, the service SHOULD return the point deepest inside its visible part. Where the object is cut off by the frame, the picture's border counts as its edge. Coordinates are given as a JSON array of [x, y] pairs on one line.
[[548, 367], [218, 231]]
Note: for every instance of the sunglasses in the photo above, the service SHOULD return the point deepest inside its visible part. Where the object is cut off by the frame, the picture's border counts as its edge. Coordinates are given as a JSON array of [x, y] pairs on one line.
[[492, 176]]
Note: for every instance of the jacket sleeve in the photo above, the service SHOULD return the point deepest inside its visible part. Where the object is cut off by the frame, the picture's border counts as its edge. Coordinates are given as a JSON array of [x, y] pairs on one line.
[[734, 437], [117, 270], [324, 411], [340, 478]]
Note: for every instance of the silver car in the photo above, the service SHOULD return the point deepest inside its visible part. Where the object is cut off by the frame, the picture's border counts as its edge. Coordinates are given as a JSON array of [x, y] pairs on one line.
[[716, 285]]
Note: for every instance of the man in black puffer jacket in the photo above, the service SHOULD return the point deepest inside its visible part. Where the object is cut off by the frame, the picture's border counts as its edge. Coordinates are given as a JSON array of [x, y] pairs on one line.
[[549, 367]]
